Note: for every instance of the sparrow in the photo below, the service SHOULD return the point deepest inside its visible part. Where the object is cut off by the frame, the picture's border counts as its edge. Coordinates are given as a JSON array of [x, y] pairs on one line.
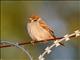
[[39, 30]]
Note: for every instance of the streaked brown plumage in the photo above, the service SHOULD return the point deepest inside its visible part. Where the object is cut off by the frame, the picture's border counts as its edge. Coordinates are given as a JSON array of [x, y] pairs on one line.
[[38, 29]]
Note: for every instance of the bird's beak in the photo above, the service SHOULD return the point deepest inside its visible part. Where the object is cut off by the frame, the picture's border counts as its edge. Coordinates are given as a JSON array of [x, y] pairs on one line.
[[39, 19], [29, 19]]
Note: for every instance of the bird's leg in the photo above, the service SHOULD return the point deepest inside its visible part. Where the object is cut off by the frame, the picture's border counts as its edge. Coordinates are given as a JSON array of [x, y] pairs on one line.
[[44, 41], [32, 42]]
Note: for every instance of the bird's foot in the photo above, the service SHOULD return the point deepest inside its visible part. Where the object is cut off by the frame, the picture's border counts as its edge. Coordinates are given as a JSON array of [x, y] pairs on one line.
[[32, 42]]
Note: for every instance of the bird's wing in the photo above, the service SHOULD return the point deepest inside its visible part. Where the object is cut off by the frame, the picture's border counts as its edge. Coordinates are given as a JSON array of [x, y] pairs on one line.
[[46, 27]]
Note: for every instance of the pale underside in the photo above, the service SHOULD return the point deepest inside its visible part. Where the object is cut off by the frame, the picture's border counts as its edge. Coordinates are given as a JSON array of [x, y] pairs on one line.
[[37, 32]]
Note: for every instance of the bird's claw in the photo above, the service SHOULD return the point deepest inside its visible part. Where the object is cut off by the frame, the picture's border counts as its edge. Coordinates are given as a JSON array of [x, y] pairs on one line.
[[32, 42]]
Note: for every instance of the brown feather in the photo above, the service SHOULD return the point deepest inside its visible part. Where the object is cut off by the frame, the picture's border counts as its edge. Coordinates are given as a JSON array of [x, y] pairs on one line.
[[46, 27]]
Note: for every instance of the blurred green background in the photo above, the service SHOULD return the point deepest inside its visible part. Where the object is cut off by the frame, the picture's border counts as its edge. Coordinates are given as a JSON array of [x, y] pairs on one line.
[[62, 16]]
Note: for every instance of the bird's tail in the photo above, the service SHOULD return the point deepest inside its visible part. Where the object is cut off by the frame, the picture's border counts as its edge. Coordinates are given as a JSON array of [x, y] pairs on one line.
[[59, 42]]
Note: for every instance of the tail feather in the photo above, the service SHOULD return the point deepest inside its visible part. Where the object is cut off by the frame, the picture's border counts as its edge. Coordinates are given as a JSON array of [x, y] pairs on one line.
[[61, 43]]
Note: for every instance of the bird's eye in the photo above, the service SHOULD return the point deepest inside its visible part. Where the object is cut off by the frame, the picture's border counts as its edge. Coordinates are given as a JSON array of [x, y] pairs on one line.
[[35, 20]]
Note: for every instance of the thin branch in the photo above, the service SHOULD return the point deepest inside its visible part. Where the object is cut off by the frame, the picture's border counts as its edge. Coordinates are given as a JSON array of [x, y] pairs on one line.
[[24, 43]]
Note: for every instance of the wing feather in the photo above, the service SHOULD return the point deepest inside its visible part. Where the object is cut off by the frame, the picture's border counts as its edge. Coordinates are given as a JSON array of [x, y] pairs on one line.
[[46, 27]]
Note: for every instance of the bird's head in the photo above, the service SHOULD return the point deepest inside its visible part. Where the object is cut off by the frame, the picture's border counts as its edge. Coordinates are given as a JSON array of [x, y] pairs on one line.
[[34, 18]]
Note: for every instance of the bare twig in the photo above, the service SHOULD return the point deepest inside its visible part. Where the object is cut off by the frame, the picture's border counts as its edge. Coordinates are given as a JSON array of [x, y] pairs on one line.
[[24, 43]]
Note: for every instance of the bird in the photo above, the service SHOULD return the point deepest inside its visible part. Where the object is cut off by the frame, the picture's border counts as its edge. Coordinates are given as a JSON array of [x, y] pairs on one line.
[[39, 30]]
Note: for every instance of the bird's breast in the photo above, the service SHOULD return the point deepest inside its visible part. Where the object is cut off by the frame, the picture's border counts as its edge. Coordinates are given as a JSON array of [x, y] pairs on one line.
[[38, 32]]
